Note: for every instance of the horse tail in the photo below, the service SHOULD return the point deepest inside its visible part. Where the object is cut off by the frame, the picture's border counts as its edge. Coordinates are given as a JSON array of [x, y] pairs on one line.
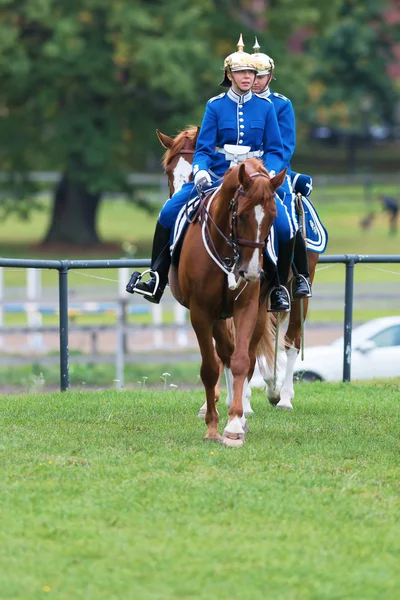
[[265, 348]]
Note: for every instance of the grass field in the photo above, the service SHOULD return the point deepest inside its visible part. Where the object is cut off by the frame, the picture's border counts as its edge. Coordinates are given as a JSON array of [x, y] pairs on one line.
[[115, 496]]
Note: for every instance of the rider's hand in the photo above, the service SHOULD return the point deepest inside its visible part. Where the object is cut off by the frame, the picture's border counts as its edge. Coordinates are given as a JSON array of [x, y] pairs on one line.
[[202, 179]]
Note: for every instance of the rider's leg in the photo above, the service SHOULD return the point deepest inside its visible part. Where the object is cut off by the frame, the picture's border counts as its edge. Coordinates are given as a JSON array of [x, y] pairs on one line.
[[160, 255], [301, 284], [286, 226], [160, 263]]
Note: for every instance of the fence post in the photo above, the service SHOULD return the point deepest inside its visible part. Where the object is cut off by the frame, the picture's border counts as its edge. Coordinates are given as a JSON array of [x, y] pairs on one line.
[[64, 349], [120, 346], [348, 317], [180, 320], [33, 293], [1, 305], [157, 317]]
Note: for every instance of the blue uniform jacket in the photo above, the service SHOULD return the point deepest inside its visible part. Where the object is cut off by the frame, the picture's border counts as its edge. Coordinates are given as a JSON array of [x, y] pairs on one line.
[[233, 119], [286, 121]]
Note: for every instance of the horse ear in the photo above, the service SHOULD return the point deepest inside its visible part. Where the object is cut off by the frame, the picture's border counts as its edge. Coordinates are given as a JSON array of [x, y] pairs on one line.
[[244, 178], [165, 140], [278, 179]]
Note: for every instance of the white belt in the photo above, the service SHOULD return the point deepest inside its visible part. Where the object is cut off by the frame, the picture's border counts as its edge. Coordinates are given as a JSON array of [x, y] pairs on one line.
[[237, 154]]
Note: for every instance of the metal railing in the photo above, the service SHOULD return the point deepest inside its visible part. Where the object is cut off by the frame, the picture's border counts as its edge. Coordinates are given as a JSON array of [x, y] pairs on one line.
[[64, 266]]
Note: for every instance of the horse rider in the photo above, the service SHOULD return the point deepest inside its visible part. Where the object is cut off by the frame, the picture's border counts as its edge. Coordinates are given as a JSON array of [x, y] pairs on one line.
[[237, 117], [301, 285]]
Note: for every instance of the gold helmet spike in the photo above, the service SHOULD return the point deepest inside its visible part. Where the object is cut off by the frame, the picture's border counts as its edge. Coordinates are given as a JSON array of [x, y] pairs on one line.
[[256, 47], [265, 64], [238, 61]]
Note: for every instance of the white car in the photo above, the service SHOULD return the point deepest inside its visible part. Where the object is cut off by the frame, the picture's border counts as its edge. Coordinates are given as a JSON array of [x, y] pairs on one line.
[[375, 353]]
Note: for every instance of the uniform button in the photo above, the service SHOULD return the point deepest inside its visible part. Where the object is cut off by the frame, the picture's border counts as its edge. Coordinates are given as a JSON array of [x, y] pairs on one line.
[[241, 126], [240, 105], [240, 113], [241, 134], [241, 120], [240, 141]]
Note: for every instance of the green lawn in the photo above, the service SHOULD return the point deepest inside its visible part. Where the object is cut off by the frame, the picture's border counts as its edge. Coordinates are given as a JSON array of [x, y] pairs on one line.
[[113, 495]]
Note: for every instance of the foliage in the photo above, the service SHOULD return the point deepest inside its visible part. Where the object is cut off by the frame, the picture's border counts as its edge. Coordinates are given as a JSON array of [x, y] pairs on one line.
[[350, 83], [114, 495], [84, 83]]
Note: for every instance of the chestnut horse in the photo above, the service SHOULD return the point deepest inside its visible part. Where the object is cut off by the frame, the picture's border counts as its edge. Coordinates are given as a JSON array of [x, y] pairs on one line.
[[231, 228], [177, 163]]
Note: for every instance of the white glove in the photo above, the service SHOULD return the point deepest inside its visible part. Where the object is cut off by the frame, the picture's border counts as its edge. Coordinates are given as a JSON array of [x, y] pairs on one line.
[[201, 179]]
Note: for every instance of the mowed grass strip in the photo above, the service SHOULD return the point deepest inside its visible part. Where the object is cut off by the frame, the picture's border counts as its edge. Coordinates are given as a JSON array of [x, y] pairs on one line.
[[114, 495]]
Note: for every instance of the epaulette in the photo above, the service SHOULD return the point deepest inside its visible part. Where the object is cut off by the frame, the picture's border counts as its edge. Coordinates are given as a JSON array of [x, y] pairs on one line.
[[264, 98], [281, 96], [217, 97]]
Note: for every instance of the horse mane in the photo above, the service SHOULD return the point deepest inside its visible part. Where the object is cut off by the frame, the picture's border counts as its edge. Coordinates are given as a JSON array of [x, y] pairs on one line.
[[189, 133]]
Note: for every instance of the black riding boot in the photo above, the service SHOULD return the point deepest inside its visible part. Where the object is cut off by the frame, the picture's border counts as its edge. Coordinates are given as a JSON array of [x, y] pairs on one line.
[[279, 299], [300, 285], [160, 263]]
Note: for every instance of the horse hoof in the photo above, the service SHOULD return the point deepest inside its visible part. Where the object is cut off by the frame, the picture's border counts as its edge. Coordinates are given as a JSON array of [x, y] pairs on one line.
[[283, 406], [246, 427], [218, 439], [274, 401], [233, 443]]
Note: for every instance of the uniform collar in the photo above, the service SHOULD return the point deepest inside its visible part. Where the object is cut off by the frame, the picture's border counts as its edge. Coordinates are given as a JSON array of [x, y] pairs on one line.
[[239, 99], [265, 93]]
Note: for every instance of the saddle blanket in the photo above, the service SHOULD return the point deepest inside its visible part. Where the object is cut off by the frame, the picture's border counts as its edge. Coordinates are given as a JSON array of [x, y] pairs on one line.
[[314, 232], [316, 235], [187, 212]]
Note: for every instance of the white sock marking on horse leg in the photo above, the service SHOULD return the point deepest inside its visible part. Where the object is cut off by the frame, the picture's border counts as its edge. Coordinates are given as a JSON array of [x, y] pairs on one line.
[[229, 386], [247, 410], [234, 426], [287, 390]]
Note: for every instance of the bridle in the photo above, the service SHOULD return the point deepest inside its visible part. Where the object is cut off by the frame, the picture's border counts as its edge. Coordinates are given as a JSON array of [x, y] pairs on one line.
[[233, 241]]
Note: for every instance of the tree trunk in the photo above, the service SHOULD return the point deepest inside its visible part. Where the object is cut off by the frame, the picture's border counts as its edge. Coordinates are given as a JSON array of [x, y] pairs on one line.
[[74, 215]]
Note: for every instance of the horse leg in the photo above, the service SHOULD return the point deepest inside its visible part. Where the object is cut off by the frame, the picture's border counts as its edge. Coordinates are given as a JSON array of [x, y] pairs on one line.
[[223, 333], [255, 340], [293, 340], [202, 410], [209, 370], [223, 349], [245, 320]]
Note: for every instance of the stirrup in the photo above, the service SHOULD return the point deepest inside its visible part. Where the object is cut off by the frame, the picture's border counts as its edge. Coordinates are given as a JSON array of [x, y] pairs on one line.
[[284, 290], [292, 287], [136, 277]]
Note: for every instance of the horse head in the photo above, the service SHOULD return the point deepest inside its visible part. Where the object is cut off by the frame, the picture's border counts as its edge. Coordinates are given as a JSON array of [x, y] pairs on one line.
[[178, 158], [253, 210]]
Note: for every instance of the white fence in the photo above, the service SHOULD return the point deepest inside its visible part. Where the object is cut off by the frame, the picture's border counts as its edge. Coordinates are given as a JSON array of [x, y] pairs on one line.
[[35, 306]]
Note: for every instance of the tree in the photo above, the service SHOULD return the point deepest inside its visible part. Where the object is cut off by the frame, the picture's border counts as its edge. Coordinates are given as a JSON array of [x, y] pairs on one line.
[[82, 85], [351, 87]]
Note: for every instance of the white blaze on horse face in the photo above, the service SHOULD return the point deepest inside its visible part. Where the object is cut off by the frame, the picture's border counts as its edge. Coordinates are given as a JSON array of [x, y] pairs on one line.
[[181, 173], [253, 270]]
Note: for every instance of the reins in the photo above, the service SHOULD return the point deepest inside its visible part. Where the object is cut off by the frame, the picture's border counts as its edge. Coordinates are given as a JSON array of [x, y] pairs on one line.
[[227, 264], [233, 239]]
